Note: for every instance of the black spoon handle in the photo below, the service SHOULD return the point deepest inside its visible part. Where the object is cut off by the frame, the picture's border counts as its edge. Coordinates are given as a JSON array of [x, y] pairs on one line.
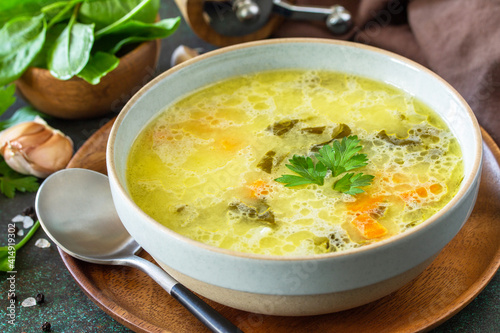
[[201, 310]]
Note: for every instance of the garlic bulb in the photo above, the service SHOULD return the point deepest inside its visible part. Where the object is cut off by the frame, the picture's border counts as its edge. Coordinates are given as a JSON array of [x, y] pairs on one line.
[[181, 54], [35, 148]]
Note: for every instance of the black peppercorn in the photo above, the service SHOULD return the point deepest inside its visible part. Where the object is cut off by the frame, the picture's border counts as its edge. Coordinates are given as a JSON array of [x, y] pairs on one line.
[[46, 327], [30, 211], [40, 298]]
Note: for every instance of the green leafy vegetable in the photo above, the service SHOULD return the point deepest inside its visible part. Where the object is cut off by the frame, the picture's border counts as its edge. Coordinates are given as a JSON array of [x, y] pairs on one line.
[[23, 114], [58, 11], [350, 183], [107, 12], [11, 181], [125, 18], [308, 171], [282, 127], [135, 32], [18, 8], [50, 39], [99, 65], [342, 156], [7, 97], [71, 50], [339, 158], [21, 40], [8, 253], [67, 36]]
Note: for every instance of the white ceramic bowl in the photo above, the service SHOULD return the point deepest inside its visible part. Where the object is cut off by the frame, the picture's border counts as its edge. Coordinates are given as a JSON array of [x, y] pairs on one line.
[[296, 285]]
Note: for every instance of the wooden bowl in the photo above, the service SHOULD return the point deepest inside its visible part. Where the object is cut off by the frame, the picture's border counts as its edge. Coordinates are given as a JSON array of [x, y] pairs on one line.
[[77, 99]]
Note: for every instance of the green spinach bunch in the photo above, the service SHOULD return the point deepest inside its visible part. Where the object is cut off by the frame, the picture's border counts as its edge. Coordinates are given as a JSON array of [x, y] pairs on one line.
[[74, 37]]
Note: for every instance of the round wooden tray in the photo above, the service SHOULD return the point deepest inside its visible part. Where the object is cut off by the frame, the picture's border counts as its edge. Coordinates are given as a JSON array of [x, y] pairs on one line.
[[456, 277]]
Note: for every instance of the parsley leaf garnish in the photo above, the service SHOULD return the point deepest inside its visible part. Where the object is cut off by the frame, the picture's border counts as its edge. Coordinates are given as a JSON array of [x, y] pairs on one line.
[[308, 171], [350, 183], [340, 157], [12, 181]]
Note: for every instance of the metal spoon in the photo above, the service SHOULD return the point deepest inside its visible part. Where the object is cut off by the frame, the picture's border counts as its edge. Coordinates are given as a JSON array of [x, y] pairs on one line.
[[76, 210]]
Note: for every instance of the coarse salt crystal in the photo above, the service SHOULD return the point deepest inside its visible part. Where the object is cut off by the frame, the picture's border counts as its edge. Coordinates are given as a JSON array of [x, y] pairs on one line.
[[30, 301], [27, 222], [42, 243], [18, 218], [20, 232]]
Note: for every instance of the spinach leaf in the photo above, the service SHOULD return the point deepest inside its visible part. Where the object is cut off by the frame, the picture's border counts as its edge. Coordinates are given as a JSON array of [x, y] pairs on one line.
[[106, 12], [17, 8], [50, 38], [59, 11], [63, 43], [71, 50], [26, 113], [99, 65], [135, 32], [21, 39], [22, 7], [6, 98]]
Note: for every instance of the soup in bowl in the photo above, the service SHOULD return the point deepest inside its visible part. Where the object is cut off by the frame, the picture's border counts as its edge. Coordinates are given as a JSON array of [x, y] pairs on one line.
[[296, 176]]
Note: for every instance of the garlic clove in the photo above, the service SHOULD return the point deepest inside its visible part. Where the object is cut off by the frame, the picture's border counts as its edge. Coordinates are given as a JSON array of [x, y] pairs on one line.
[[16, 131], [16, 161], [182, 53], [52, 155], [35, 148], [27, 142]]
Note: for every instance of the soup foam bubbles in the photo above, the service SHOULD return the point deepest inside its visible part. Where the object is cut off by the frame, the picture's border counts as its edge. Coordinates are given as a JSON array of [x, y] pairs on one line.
[[198, 168]]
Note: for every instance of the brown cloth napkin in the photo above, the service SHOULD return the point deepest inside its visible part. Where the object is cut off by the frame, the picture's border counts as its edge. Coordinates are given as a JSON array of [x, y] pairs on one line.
[[457, 39]]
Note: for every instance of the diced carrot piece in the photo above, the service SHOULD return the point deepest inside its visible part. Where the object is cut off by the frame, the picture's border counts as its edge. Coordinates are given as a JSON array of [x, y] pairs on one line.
[[368, 226], [414, 194], [436, 188], [259, 188], [365, 203], [407, 196], [422, 192]]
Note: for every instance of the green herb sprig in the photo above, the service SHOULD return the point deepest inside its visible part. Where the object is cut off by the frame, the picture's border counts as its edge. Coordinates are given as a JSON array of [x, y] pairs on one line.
[[12, 181], [308, 171], [74, 37], [340, 157], [350, 183], [8, 253]]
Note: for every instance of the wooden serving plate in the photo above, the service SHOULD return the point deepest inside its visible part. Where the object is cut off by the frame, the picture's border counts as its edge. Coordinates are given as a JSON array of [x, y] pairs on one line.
[[455, 278]]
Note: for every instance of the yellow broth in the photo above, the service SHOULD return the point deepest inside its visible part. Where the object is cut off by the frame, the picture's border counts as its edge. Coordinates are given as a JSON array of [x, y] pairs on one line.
[[206, 166]]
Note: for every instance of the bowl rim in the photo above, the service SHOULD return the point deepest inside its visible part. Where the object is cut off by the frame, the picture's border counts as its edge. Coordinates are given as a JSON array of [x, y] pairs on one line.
[[459, 196]]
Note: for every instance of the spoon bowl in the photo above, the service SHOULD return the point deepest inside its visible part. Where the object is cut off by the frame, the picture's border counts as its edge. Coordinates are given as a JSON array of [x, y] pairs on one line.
[[75, 208], [81, 220]]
